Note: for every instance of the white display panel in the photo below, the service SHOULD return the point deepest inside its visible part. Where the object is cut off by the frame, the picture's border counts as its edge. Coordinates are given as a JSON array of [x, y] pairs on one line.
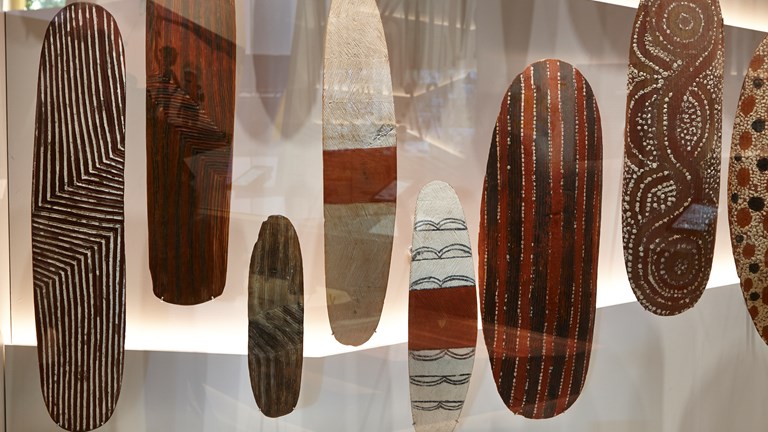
[[703, 371], [457, 72]]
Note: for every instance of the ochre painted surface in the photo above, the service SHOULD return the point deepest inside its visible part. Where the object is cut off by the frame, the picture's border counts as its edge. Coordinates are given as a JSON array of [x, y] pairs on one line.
[[539, 239], [747, 192], [190, 62], [78, 247], [360, 175], [360, 169], [672, 151], [442, 310]]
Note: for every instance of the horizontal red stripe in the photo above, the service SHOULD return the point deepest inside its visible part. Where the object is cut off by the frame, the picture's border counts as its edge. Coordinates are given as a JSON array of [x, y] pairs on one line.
[[360, 175], [442, 318]]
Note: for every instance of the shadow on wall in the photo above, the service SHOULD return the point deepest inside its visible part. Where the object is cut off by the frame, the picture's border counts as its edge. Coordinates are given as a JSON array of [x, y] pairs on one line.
[[730, 363], [516, 37], [592, 23], [282, 64], [625, 384], [737, 377]]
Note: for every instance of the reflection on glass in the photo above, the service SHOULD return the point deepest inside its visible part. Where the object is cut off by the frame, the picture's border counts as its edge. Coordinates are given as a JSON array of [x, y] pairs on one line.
[[190, 116], [285, 48], [38, 4], [434, 71]]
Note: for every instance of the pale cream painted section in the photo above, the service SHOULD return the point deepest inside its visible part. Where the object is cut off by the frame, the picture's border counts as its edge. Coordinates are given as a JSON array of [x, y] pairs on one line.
[[358, 111]]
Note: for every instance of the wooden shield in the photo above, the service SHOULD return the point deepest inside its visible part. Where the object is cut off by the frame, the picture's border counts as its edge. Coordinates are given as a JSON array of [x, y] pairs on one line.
[[672, 151], [190, 62], [747, 177], [78, 249], [359, 169], [276, 317], [442, 310], [539, 239]]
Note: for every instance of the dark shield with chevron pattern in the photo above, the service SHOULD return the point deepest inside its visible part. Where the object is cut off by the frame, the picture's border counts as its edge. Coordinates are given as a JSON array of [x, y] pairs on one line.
[[78, 250]]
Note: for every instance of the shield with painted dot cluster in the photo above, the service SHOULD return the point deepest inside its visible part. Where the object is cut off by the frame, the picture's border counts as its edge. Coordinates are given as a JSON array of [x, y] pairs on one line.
[[747, 179], [672, 151]]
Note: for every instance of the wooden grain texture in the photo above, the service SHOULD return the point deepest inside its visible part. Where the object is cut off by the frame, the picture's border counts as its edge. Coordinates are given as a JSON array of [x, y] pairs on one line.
[[442, 310], [276, 317], [539, 239], [360, 169], [747, 177], [190, 60], [672, 151], [78, 249]]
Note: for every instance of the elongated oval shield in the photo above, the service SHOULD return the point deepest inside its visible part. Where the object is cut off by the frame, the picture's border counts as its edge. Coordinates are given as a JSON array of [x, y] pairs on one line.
[[276, 317], [78, 249], [539, 239], [190, 61], [442, 310], [359, 169], [747, 179], [672, 151]]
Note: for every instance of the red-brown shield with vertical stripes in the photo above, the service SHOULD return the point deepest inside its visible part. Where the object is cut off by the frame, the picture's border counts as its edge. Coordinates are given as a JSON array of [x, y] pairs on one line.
[[190, 65], [539, 239]]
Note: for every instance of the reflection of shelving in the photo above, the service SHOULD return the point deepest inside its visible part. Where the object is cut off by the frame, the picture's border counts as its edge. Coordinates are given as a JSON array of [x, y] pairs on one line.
[[432, 46], [446, 147], [434, 86], [472, 26]]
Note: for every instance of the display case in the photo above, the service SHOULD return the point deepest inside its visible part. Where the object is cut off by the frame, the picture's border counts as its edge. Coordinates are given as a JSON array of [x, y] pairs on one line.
[[451, 61]]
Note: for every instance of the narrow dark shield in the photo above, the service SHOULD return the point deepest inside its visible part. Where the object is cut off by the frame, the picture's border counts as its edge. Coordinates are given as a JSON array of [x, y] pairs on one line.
[[672, 151], [276, 317], [747, 179], [190, 62], [539, 239], [78, 249]]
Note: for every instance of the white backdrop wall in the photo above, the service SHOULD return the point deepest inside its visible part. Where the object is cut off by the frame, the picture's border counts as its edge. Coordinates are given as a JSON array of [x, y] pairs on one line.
[[449, 75]]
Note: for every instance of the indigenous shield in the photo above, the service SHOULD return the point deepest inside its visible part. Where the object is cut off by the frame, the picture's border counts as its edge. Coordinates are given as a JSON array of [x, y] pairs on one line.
[[747, 179], [78, 252], [672, 151], [442, 310], [359, 169], [276, 317], [190, 119], [539, 239]]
